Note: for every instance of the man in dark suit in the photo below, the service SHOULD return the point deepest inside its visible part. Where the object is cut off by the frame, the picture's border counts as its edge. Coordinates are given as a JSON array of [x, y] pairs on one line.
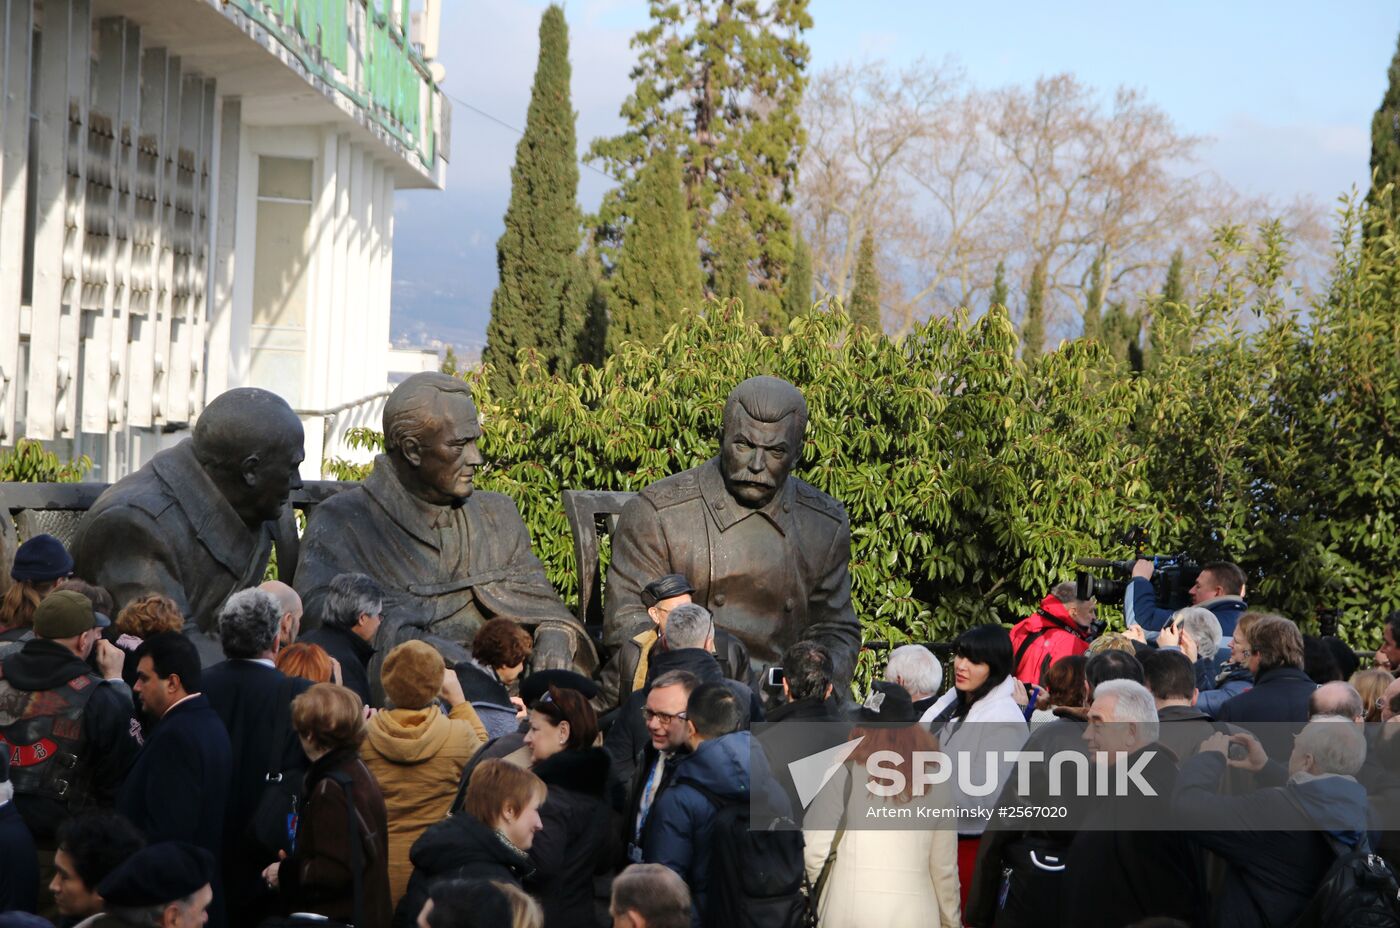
[[179, 786], [254, 700], [351, 615]]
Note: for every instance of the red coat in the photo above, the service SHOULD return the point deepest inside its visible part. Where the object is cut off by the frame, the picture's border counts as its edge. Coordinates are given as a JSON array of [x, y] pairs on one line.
[[1055, 635]]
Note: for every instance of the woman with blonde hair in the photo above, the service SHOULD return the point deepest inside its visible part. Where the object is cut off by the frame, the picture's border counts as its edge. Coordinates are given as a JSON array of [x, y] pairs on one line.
[[1372, 684], [339, 864], [490, 839]]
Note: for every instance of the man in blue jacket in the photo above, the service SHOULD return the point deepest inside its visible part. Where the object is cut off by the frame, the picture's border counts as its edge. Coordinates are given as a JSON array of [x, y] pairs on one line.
[[723, 761], [1220, 587], [1279, 842], [179, 786]]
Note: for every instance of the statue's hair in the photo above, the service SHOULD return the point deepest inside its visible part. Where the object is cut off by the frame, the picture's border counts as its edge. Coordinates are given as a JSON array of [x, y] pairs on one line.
[[768, 399], [410, 409]]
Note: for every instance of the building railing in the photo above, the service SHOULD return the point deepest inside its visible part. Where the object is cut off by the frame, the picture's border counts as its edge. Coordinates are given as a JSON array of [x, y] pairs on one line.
[[362, 49]]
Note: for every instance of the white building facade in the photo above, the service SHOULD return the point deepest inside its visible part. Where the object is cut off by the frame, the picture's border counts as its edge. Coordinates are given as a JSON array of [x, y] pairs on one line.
[[197, 195]]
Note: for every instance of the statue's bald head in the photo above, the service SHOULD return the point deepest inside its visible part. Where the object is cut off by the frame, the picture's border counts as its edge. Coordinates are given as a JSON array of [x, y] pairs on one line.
[[242, 421], [415, 407], [249, 442]]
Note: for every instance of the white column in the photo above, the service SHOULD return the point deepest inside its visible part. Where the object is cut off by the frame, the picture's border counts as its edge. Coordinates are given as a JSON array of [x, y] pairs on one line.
[[219, 363], [16, 33], [147, 238], [318, 380], [345, 337], [66, 25]]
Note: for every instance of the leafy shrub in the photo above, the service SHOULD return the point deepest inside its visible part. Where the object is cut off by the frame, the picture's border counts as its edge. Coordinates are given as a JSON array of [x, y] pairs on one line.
[[1269, 436], [29, 462]]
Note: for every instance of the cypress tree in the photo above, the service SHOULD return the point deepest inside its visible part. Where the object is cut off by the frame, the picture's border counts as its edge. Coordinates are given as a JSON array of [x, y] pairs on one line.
[[1000, 294], [1385, 134], [1033, 324], [1093, 301], [720, 82], [1166, 332], [591, 343], [1121, 333], [657, 275], [1174, 288], [540, 301], [449, 364], [797, 297], [733, 247], [864, 306]]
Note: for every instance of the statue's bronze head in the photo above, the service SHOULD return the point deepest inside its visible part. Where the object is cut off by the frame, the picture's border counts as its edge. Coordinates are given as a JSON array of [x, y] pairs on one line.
[[430, 434], [250, 443], [765, 420]]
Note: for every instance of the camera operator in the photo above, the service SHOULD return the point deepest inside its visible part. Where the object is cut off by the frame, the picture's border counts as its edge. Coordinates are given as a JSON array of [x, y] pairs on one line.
[[1062, 628], [1220, 587]]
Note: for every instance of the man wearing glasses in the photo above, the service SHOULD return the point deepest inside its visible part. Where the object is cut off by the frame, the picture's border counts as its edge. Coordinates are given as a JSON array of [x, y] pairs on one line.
[[665, 719]]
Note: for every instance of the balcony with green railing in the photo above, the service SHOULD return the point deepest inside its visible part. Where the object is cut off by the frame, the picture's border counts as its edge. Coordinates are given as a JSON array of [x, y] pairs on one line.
[[365, 51]]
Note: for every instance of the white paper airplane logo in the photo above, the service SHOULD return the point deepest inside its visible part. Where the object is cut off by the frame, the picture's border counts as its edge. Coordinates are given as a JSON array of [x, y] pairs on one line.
[[813, 772]]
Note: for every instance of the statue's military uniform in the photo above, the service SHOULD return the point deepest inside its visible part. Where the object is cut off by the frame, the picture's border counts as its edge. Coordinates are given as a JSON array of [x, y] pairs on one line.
[[771, 576]]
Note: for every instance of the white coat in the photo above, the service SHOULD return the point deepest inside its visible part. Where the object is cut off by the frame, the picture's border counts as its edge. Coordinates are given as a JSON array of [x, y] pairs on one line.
[[994, 724], [891, 877]]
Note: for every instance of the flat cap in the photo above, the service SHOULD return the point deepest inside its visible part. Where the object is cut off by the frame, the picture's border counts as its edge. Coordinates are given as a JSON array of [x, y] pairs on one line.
[[667, 587], [158, 874]]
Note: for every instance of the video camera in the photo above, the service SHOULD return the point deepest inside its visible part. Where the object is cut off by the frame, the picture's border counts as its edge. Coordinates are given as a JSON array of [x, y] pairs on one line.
[[1173, 575]]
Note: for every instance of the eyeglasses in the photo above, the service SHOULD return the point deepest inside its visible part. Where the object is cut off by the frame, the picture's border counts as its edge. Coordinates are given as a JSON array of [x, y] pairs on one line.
[[666, 718]]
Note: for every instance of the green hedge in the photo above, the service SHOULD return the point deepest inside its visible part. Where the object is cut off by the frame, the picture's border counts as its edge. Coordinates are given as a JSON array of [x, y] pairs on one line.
[[973, 479]]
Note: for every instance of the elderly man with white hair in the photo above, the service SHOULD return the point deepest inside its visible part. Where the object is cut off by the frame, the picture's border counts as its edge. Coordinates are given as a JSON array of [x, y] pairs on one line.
[[915, 668], [1196, 633], [1278, 843], [1121, 867]]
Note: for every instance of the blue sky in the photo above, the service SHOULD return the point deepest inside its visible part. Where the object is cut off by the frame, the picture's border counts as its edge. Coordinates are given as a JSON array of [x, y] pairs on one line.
[[1284, 90]]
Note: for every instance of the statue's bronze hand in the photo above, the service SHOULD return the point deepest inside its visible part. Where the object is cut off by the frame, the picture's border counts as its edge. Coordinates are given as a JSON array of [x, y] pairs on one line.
[[554, 649]]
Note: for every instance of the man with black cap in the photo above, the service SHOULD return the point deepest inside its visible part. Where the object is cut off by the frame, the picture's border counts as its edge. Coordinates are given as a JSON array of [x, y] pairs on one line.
[[166, 885], [68, 731], [626, 672], [19, 877], [179, 786], [690, 643]]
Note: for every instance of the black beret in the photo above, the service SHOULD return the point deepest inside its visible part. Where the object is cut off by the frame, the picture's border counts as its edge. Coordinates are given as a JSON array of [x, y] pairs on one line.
[[666, 587], [537, 684], [158, 874]]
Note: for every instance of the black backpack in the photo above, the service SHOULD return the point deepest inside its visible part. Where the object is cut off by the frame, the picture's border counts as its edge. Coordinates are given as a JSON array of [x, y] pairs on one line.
[[757, 878], [1359, 891]]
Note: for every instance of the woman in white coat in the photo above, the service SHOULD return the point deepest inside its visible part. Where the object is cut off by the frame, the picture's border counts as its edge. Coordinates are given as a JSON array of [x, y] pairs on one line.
[[978, 717], [869, 867]]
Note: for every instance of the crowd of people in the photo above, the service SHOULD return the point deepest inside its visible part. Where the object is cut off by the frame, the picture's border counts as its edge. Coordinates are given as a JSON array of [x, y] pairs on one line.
[[279, 788]]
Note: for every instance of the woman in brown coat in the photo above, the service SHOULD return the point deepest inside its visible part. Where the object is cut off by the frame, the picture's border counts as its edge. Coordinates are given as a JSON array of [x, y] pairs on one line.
[[415, 752], [320, 875]]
